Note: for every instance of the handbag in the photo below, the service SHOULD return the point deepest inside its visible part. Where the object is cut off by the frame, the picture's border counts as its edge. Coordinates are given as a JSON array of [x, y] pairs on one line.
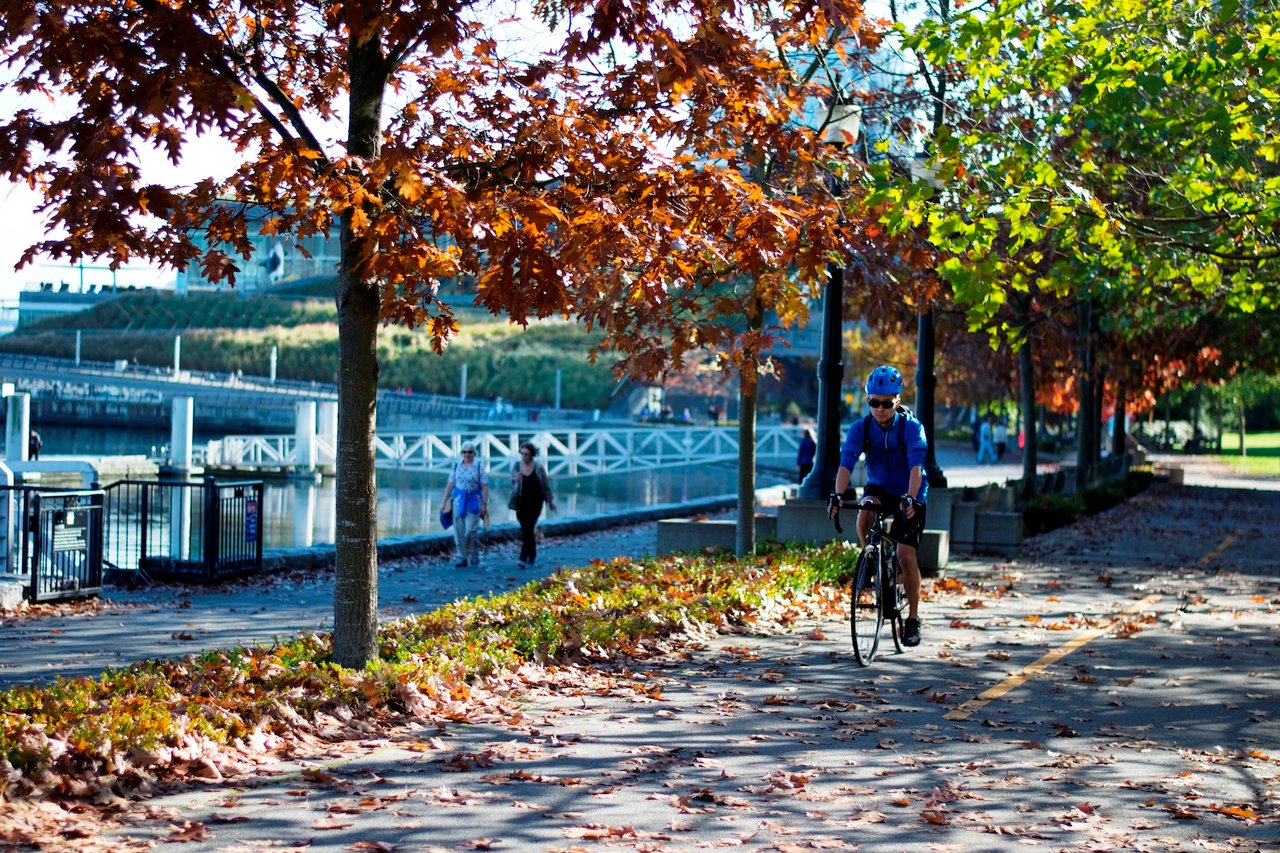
[[513, 500], [446, 518]]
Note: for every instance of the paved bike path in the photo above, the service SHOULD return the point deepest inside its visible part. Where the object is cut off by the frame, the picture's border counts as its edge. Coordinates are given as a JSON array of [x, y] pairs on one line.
[[1154, 729]]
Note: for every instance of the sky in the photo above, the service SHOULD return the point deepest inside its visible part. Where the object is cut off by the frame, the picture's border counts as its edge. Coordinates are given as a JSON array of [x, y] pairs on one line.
[[21, 226]]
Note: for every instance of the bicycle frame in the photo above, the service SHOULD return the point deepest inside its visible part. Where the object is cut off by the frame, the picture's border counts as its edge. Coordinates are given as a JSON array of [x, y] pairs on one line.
[[876, 593]]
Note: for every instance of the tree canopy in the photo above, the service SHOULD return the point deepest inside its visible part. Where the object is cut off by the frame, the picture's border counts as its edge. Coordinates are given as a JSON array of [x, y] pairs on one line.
[[608, 160]]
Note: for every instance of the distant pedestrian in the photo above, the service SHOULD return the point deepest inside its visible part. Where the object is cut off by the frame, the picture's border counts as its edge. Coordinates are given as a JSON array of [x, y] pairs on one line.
[[530, 489], [1001, 437], [986, 445], [467, 496], [804, 456], [34, 443]]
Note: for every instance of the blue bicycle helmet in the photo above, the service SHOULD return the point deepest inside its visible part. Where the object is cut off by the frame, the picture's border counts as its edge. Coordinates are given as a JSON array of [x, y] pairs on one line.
[[884, 381]]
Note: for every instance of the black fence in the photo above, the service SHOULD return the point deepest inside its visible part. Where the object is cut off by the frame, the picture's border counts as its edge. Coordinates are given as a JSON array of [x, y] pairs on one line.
[[177, 530], [57, 540]]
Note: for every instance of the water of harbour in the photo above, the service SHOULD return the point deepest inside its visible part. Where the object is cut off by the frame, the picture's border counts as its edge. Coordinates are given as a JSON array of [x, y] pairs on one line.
[[302, 514]]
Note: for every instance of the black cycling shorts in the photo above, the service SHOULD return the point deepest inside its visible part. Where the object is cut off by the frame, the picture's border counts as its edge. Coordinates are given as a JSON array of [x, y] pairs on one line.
[[906, 531]]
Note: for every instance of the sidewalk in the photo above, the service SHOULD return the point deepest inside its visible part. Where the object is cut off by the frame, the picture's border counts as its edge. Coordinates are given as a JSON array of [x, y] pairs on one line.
[[169, 620], [1108, 691]]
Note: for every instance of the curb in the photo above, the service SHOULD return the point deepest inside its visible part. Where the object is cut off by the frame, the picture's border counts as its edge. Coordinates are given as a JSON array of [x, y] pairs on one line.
[[399, 547]]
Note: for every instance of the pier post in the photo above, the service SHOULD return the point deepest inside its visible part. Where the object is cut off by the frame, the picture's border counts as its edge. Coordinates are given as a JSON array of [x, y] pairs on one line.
[[180, 443], [177, 355], [304, 432], [17, 427], [179, 469], [274, 355], [328, 426], [462, 386]]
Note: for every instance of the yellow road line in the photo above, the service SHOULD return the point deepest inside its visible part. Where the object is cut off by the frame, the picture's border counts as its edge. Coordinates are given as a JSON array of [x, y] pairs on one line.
[[1222, 546], [966, 709]]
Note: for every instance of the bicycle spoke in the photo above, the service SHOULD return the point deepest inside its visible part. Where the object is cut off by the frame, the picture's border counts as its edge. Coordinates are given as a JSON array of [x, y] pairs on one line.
[[865, 614]]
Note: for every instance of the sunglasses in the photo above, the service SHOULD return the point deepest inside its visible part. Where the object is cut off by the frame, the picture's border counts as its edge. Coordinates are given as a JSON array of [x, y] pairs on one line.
[[468, 453], [881, 404]]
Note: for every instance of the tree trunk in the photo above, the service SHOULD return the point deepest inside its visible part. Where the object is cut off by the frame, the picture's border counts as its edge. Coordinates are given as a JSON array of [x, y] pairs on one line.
[[745, 542], [746, 538], [1084, 397], [1243, 450], [1220, 416], [1099, 388], [1030, 442], [1118, 447], [1027, 389], [355, 592]]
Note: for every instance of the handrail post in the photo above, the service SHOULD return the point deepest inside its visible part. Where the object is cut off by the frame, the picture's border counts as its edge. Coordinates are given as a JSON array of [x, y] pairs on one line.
[[144, 511], [211, 531], [34, 566]]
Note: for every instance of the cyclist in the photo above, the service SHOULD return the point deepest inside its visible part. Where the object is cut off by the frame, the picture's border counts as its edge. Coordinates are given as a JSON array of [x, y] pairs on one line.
[[894, 443]]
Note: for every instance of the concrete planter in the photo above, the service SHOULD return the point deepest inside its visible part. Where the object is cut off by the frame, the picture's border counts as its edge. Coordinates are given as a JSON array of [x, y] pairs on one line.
[[677, 534]]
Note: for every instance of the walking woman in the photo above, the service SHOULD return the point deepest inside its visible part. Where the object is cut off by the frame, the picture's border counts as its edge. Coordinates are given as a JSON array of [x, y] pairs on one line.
[[467, 495], [530, 488]]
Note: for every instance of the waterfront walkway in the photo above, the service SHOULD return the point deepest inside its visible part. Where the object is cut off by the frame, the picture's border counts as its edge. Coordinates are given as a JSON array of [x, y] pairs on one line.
[[1101, 692]]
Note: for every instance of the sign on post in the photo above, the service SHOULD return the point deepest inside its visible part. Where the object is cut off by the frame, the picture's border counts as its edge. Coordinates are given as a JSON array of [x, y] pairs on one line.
[[251, 520]]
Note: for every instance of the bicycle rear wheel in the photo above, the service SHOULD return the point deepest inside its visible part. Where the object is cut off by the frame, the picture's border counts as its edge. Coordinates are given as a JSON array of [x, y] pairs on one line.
[[895, 598], [866, 615]]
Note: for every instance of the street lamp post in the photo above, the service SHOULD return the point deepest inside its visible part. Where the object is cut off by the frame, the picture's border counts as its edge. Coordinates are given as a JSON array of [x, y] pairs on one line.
[[842, 130], [926, 383]]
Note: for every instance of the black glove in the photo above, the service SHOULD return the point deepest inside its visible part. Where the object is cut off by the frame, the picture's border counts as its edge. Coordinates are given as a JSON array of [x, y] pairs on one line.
[[834, 503], [908, 501]]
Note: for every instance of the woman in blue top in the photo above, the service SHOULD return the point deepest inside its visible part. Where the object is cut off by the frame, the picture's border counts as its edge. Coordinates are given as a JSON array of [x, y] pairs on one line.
[[895, 446], [467, 495]]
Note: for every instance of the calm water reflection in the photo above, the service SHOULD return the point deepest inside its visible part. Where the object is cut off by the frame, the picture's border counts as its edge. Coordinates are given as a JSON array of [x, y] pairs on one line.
[[410, 504], [303, 514]]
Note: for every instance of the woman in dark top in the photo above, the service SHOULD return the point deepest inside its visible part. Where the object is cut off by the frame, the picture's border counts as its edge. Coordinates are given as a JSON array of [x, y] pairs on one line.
[[530, 489]]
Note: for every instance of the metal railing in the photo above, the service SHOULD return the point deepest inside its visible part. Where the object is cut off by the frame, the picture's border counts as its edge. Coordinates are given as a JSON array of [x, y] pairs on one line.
[[566, 453], [57, 539], [176, 530]]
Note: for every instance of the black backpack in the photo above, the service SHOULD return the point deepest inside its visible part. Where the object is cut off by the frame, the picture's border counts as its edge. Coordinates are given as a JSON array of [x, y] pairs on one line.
[[868, 420]]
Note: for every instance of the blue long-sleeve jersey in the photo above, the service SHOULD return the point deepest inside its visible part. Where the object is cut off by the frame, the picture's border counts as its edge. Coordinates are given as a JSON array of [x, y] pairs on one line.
[[888, 466]]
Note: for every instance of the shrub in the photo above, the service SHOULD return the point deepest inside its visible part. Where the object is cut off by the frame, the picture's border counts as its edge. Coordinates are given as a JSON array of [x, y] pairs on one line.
[[1103, 497], [1137, 480], [1049, 512]]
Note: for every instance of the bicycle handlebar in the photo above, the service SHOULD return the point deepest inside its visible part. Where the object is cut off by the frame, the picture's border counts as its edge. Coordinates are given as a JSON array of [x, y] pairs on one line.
[[881, 510]]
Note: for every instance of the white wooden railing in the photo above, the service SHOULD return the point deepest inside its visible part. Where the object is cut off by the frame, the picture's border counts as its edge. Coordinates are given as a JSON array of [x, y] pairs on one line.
[[565, 453]]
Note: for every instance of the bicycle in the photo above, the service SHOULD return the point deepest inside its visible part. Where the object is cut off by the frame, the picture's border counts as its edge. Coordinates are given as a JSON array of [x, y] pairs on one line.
[[877, 593]]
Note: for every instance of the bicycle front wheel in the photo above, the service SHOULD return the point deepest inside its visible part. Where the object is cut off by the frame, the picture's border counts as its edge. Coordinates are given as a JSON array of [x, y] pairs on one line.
[[866, 615], [894, 597]]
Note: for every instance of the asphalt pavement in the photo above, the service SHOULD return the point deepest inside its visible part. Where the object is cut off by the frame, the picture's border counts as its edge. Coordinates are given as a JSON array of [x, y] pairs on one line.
[[1115, 688]]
